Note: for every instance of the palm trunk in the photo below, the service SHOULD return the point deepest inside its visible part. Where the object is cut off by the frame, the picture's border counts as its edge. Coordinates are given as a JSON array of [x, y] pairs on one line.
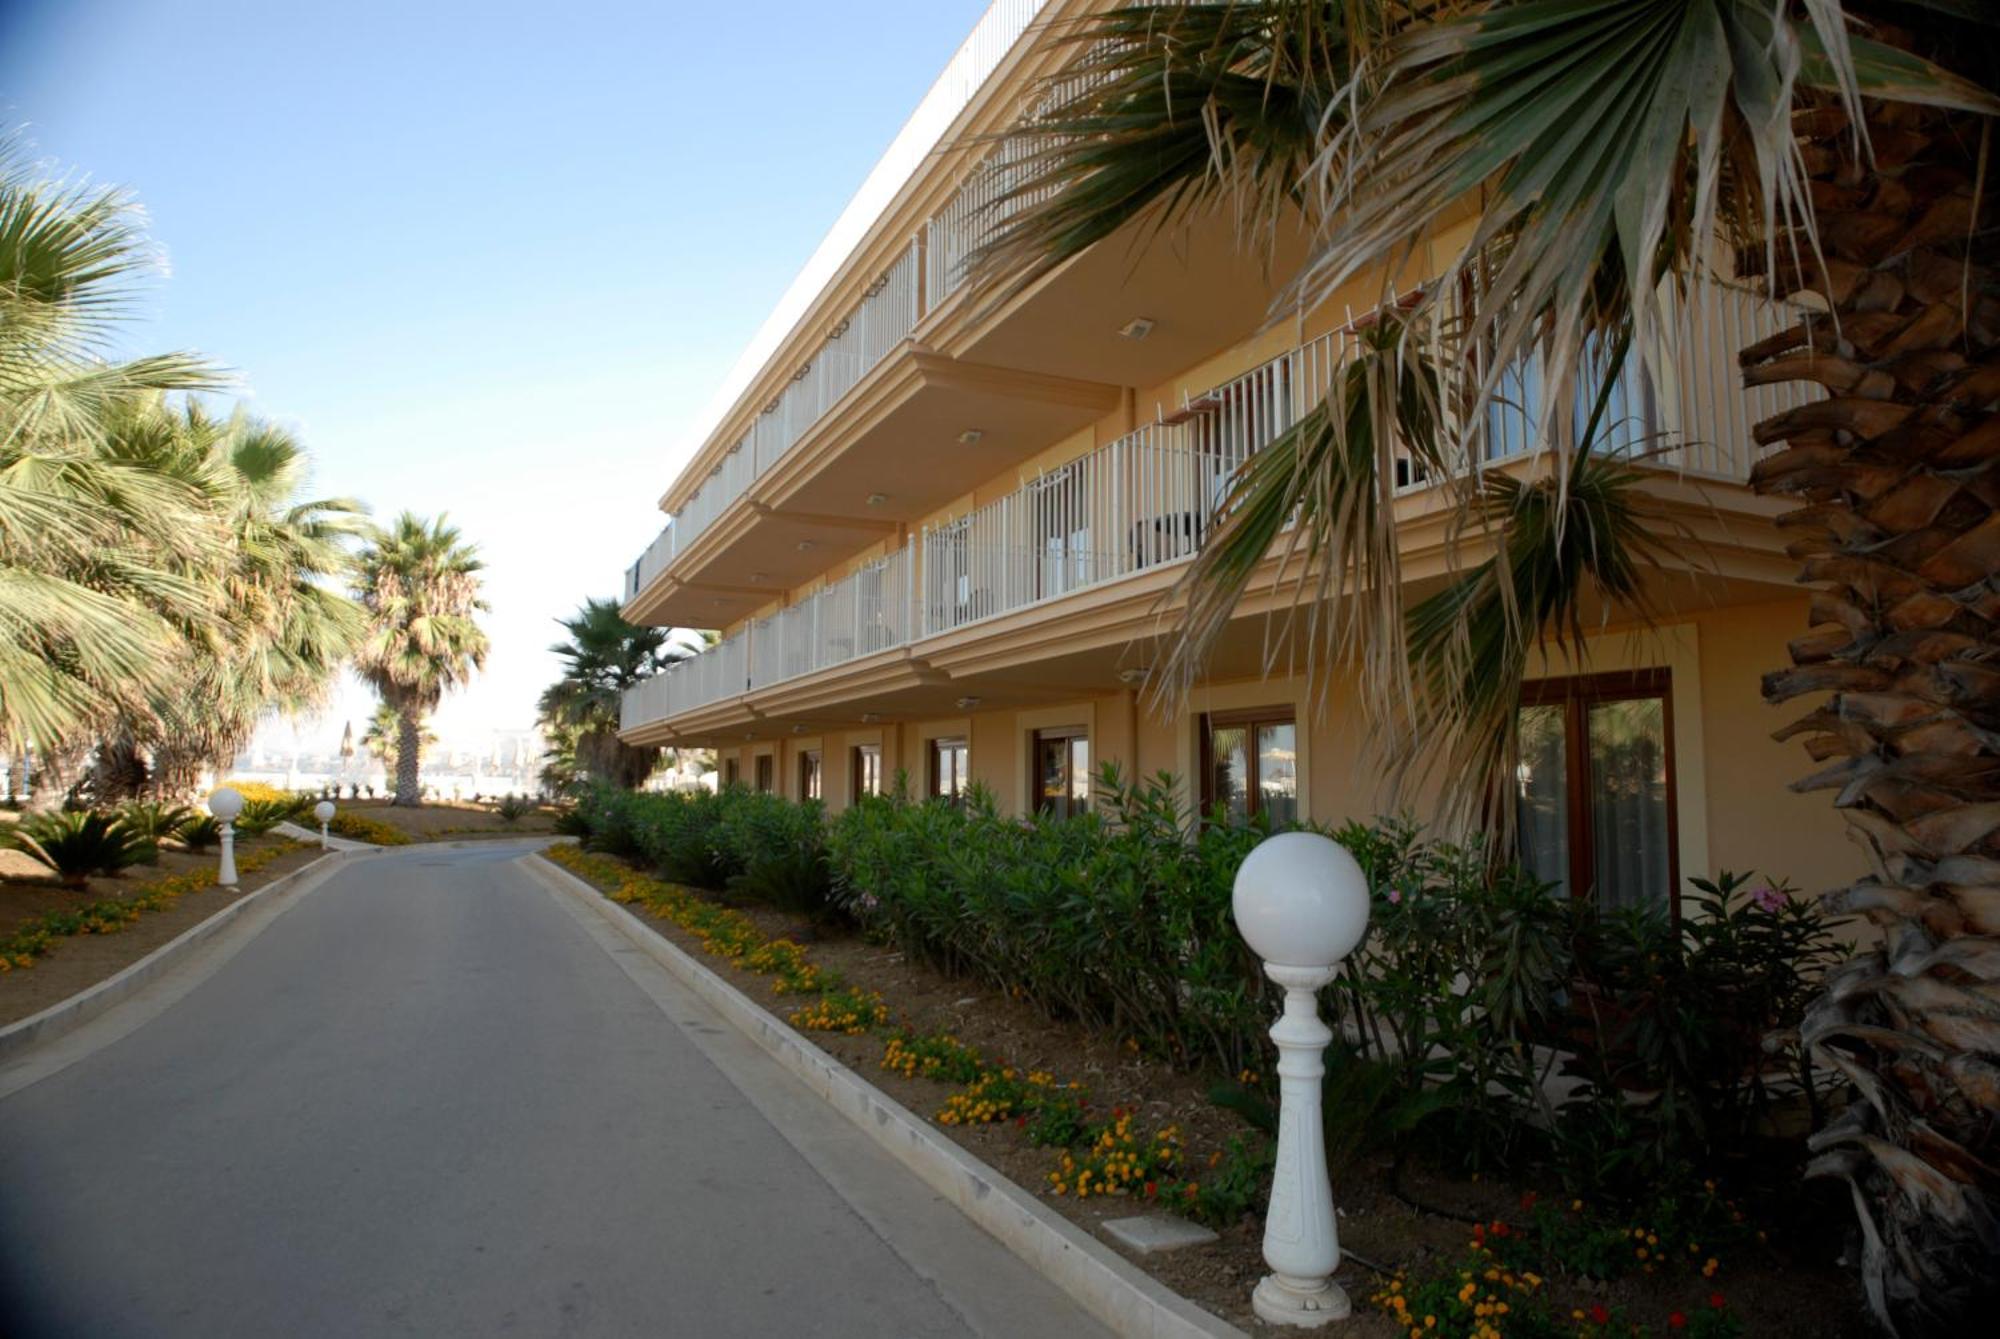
[[1899, 471], [57, 770], [409, 754]]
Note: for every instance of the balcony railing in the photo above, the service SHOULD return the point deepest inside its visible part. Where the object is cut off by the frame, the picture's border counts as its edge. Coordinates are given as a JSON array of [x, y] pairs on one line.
[[883, 319], [862, 613], [719, 672], [1149, 498]]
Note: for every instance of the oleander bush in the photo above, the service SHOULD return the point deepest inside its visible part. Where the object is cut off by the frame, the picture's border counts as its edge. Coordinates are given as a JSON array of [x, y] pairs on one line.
[[1474, 998], [1118, 917]]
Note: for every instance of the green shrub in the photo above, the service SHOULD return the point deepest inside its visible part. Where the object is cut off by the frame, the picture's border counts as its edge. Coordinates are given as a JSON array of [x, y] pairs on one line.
[[77, 844], [200, 832], [1472, 983], [154, 821], [513, 808], [1118, 917], [1685, 1033], [780, 850], [677, 836], [260, 816]]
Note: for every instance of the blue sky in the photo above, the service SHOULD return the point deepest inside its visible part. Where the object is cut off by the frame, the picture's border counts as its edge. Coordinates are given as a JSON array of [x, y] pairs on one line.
[[488, 259]]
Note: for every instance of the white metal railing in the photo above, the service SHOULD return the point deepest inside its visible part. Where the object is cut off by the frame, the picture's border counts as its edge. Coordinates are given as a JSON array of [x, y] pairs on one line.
[[864, 612], [1149, 498], [652, 562], [719, 672], [883, 319], [998, 187]]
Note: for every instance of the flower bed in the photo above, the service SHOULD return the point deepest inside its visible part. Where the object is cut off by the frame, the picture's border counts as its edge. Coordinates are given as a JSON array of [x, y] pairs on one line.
[[361, 828], [39, 937], [1045, 1102]]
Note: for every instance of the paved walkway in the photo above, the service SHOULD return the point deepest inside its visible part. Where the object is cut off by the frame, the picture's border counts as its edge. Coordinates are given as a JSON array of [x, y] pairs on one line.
[[432, 1099]]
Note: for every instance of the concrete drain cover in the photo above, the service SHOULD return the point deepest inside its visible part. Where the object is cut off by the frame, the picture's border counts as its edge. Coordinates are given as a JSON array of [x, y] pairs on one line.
[[1155, 1232]]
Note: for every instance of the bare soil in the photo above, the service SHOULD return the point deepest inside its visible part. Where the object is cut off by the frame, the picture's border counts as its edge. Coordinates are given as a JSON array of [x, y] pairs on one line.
[[81, 961], [449, 820], [1792, 1290]]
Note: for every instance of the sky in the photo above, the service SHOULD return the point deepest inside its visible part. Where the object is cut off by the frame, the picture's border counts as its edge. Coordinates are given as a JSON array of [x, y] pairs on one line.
[[489, 259]]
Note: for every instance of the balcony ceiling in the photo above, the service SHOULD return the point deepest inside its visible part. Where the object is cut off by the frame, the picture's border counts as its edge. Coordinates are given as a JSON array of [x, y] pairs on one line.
[[898, 438], [1199, 286], [910, 449]]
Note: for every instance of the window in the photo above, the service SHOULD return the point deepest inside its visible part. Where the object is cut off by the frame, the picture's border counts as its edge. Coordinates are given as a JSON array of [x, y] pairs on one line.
[[1062, 771], [1596, 787], [764, 770], [951, 760], [809, 774], [1250, 765], [867, 770], [731, 772]]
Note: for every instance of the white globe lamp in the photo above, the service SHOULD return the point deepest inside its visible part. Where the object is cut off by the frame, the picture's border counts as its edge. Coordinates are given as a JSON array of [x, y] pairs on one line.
[[323, 811], [225, 804], [1301, 903]]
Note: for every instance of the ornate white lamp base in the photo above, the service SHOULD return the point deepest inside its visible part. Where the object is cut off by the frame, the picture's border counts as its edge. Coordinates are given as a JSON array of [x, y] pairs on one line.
[[1305, 1303], [1301, 1241]]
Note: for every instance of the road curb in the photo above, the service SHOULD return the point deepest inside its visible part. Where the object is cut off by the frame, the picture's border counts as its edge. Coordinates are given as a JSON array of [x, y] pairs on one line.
[[1111, 1288], [67, 1015]]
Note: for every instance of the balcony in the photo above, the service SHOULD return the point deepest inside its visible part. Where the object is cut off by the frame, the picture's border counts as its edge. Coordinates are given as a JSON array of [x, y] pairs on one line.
[[1147, 500], [864, 612]]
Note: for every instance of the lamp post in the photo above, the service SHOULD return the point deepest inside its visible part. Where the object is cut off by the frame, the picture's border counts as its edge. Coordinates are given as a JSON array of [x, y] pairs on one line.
[[226, 804], [1301, 903], [323, 811]]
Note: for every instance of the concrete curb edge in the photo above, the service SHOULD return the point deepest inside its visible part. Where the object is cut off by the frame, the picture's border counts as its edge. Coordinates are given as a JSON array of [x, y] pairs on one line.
[[1111, 1288], [66, 1015]]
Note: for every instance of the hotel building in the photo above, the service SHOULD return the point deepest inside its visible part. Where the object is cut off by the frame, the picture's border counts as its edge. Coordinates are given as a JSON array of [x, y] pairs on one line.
[[935, 523]]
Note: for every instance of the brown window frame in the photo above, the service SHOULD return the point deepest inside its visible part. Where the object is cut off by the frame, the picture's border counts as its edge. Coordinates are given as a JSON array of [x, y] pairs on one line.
[[1059, 734], [765, 768], [812, 777], [857, 771], [1576, 694], [732, 771], [935, 747], [1251, 718]]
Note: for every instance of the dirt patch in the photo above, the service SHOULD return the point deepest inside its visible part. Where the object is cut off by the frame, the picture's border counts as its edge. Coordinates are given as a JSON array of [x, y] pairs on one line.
[[1794, 1288], [81, 961], [446, 820]]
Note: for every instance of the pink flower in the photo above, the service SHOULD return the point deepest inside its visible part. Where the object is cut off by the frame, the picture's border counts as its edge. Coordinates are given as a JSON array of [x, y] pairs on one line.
[[1768, 898], [1395, 896]]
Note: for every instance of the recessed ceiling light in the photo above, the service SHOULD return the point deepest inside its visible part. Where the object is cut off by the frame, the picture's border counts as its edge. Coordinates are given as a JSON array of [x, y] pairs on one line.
[[877, 499], [760, 576], [971, 436], [798, 729], [1134, 676], [869, 718], [968, 703], [805, 546], [1137, 328]]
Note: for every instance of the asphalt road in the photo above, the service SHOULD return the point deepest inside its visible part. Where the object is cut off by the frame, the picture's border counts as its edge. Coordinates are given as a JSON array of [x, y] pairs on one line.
[[432, 1099]]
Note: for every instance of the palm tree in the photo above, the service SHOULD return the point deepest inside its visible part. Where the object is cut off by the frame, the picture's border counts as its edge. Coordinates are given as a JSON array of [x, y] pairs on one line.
[[419, 585], [385, 727], [90, 598], [603, 656], [284, 630], [1596, 157]]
